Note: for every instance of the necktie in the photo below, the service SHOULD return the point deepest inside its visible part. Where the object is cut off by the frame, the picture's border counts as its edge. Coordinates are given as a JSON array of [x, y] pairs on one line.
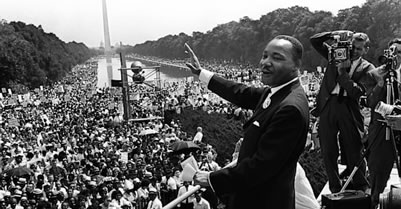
[[341, 95], [186, 201], [341, 91]]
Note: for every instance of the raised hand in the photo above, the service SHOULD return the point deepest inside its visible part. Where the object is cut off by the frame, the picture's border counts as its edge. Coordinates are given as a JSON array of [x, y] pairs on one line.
[[344, 67], [194, 65]]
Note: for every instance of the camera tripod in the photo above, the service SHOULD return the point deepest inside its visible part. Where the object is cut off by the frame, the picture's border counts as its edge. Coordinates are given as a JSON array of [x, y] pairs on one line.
[[391, 98]]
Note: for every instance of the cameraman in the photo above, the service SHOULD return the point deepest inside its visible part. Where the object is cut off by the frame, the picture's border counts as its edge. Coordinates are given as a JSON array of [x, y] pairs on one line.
[[337, 103], [382, 156]]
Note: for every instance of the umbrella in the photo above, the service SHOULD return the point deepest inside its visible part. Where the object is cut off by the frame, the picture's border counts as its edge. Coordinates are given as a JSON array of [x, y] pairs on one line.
[[19, 171], [184, 146]]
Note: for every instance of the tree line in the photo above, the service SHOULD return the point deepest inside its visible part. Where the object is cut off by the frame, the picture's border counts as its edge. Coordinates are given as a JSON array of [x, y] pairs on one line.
[[243, 41], [30, 57]]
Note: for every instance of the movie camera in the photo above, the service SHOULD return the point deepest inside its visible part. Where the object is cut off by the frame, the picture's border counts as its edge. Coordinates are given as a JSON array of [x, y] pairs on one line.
[[340, 50], [391, 57]]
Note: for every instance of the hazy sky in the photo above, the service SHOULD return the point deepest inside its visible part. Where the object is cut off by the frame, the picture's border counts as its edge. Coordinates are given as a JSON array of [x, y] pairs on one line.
[[136, 21]]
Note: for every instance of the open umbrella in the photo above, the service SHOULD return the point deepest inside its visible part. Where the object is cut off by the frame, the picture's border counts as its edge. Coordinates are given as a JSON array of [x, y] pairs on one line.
[[19, 171], [183, 147]]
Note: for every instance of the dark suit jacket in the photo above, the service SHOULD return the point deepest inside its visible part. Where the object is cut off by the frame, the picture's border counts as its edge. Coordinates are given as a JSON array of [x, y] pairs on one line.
[[377, 133], [375, 93], [354, 85], [273, 140]]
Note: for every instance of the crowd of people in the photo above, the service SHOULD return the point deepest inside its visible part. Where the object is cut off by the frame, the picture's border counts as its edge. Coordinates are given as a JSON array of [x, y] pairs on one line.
[[66, 146]]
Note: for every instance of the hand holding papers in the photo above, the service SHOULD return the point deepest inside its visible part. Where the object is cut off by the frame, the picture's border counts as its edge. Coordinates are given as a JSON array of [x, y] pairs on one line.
[[190, 167]]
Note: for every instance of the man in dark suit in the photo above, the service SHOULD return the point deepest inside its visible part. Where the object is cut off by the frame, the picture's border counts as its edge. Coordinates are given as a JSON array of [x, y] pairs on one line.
[[382, 156], [274, 136], [337, 105]]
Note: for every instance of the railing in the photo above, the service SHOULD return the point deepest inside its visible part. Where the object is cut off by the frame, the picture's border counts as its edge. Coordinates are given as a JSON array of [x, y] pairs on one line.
[[143, 203]]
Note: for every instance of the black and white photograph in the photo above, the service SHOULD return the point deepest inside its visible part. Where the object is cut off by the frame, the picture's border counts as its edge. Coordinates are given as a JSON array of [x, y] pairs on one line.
[[213, 104]]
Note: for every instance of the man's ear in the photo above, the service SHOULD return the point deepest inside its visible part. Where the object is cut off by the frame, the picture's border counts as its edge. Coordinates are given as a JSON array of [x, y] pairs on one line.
[[366, 49], [298, 64]]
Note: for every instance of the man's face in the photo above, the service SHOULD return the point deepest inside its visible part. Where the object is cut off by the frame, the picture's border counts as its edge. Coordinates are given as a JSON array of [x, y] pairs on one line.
[[277, 63], [29, 187], [358, 49], [65, 205], [50, 178]]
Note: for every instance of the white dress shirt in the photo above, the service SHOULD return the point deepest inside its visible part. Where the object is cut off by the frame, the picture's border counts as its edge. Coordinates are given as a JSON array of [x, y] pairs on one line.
[[354, 65]]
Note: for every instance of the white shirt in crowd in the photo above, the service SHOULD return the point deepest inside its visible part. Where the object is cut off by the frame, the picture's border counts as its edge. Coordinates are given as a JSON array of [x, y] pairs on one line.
[[202, 204], [172, 184], [155, 204], [198, 137], [182, 191]]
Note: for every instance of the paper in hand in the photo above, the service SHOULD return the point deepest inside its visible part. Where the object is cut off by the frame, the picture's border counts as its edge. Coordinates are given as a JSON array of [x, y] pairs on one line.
[[190, 167]]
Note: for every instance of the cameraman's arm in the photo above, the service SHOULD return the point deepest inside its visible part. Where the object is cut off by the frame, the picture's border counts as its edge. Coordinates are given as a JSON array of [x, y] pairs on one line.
[[354, 89], [317, 41], [375, 86]]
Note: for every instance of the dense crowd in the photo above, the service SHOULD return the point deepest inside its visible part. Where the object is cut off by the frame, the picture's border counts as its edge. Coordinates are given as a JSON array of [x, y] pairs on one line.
[[67, 146]]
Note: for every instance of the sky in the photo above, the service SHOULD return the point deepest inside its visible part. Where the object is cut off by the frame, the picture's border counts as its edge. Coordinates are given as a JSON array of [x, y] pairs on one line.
[[136, 21]]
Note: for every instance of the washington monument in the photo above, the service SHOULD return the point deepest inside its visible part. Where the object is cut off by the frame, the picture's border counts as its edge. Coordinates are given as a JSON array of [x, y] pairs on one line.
[[107, 48]]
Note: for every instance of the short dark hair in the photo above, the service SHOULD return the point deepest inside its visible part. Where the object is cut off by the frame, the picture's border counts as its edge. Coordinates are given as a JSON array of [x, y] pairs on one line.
[[297, 48], [394, 41]]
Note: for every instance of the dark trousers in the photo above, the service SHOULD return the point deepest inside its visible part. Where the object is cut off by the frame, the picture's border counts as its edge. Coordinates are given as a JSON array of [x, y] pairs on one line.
[[187, 205], [337, 118], [380, 162]]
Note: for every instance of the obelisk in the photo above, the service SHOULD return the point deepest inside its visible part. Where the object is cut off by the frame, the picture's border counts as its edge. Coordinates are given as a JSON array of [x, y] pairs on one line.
[[107, 48]]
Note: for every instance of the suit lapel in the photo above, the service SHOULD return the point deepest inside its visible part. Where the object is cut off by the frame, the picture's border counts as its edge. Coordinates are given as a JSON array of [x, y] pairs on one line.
[[258, 107], [359, 70], [276, 98]]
